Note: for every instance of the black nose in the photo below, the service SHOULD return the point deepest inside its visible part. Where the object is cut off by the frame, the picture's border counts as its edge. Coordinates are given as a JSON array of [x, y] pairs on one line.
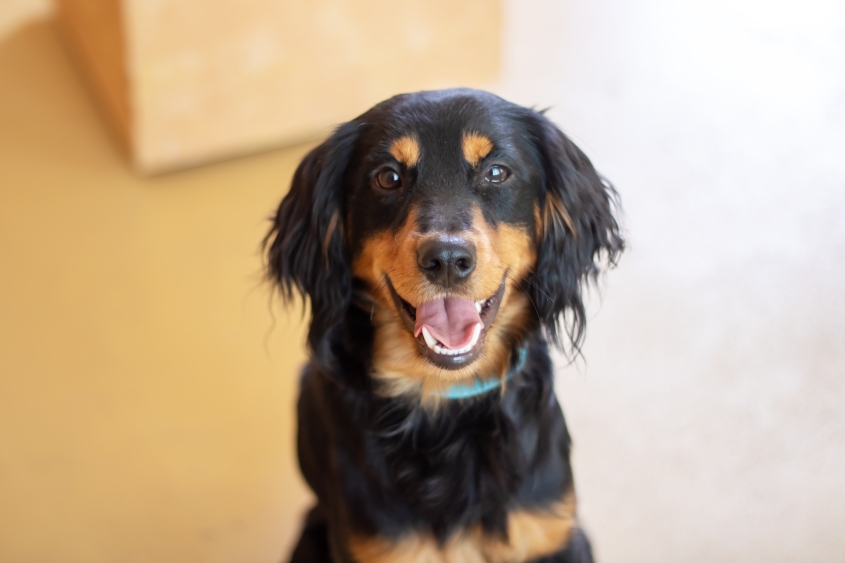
[[446, 263]]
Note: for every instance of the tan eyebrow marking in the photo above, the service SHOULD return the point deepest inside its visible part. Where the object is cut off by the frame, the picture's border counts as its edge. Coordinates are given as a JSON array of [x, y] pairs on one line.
[[406, 150], [475, 147]]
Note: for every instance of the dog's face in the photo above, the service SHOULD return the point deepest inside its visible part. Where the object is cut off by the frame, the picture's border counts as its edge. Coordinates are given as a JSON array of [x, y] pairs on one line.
[[441, 207], [464, 221]]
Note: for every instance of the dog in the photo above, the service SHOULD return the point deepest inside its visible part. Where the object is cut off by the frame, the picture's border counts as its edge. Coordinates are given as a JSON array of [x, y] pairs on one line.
[[443, 239]]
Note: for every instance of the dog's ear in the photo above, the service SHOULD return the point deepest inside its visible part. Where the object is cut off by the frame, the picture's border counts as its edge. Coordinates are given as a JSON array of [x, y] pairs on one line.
[[577, 231], [306, 247]]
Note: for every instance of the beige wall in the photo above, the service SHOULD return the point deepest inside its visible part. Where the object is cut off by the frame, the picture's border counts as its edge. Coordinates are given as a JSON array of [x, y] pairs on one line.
[[708, 413], [146, 394]]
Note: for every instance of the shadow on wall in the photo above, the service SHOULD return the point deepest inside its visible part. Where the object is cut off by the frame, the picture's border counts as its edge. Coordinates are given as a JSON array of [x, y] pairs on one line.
[[146, 392]]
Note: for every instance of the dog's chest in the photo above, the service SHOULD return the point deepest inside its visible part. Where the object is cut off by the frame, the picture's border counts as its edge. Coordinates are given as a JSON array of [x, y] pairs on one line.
[[461, 478]]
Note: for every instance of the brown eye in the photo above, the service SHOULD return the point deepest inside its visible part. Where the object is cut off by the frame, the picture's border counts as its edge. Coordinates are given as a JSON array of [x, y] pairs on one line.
[[496, 174], [388, 179]]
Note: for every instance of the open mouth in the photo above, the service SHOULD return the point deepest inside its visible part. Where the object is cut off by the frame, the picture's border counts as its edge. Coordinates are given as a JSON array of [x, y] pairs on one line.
[[449, 330]]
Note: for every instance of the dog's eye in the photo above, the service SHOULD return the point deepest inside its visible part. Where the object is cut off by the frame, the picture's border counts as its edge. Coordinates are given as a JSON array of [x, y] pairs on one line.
[[388, 179], [496, 174]]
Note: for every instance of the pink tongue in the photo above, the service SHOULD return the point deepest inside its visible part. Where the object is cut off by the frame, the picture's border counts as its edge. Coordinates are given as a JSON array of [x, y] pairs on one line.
[[450, 320]]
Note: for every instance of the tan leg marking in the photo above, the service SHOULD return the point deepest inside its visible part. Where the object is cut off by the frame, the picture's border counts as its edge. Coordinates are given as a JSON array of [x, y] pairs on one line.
[[531, 534], [416, 548]]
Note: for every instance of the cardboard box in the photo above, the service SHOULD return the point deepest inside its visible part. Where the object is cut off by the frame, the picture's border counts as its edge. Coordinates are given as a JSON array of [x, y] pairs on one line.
[[189, 81]]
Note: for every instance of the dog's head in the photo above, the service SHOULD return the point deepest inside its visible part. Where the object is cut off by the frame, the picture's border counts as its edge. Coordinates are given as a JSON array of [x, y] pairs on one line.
[[464, 222]]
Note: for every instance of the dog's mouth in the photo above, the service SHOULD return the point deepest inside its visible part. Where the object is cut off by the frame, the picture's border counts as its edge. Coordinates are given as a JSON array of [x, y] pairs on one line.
[[449, 330]]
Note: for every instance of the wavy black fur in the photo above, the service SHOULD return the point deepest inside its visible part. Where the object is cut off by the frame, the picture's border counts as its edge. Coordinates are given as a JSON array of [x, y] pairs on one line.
[[566, 260], [393, 466], [306, 250], [386, 467]]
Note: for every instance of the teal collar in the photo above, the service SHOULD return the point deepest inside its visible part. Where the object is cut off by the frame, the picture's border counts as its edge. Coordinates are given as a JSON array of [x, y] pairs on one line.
[[464, 391]]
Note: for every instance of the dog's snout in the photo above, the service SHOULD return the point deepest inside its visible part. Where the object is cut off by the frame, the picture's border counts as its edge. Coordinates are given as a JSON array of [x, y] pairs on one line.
[[446, 262]]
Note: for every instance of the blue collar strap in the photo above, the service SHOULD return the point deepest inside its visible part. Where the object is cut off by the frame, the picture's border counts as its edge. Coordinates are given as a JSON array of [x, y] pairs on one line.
[[464, 391]]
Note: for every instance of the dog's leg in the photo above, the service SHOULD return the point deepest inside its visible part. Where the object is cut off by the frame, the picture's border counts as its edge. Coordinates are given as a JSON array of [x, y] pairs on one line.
[[578, 550], [313, 545]]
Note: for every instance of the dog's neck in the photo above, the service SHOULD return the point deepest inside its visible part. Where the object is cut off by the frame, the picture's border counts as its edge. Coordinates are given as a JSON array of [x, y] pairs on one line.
[[481, 386]]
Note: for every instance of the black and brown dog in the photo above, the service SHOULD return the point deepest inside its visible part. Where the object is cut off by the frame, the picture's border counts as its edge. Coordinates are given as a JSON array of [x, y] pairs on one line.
[[443, 239]]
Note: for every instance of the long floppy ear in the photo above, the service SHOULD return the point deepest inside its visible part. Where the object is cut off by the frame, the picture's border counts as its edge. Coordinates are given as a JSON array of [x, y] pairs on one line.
[[306, 248], [577, 230]]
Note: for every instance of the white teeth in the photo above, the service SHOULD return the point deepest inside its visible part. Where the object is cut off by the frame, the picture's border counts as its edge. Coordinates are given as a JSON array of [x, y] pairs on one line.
[[478, 305], [429, 339], [476, 332], [432, 343]]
